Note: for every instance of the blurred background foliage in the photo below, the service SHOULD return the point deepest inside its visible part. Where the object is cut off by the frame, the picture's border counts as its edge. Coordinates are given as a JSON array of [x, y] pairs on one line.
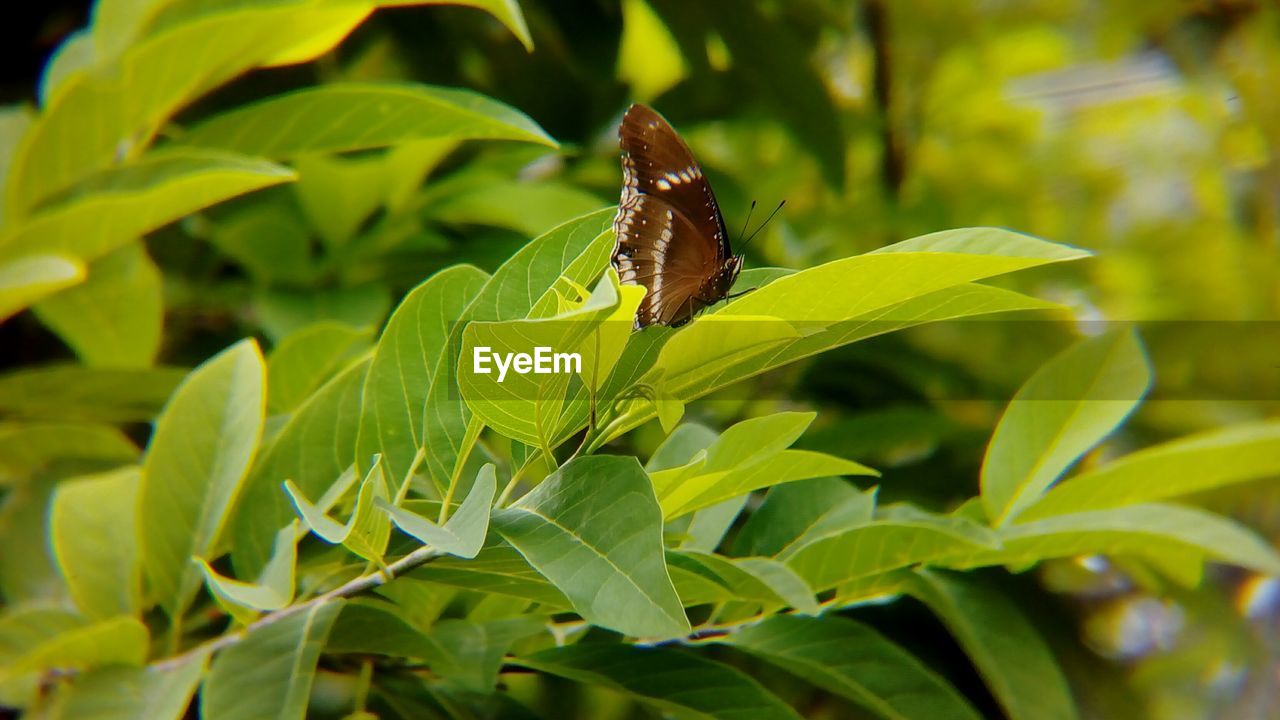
[[1145, 132]]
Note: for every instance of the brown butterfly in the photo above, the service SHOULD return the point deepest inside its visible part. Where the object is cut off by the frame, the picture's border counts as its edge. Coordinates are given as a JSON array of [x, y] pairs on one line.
[[670, 234]]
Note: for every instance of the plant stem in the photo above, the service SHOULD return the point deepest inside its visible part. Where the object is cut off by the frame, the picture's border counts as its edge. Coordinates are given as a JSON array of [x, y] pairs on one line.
[[364, 583], [505, 495]]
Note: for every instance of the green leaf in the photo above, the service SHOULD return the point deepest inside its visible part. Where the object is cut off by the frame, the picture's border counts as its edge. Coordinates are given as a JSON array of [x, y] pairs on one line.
[[120, 205], [1015, 661], [410, 353], [1152, 529], [708, 526], [121, 693], [366, 531], [307, 359], [269, 673], [680, 447], [497, 569], [594, 529], [28, 448], [855, 662], [282, 312], [1200, 462], [369, 626], [762, 580], [75, 54], [506, 11], [464, 532], [99, 119], [795, 512], [649, 58], [74, 392], [1069, 405], [26, 280], [268, 239], [114, 319], [577, 252], [339, 193], [901, 538], [787, 466], [692, 356], [527, 406], [92, 530], [525, 207], [316, 445], [116, 641], [676, 682], [748, 456], [822, 328], [274, 587], [339, 117], [195, 466], [471, 653], [28, 572]]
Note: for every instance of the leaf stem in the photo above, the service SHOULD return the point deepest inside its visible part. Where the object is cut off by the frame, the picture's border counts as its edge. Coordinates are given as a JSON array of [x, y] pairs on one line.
[[364, 583]]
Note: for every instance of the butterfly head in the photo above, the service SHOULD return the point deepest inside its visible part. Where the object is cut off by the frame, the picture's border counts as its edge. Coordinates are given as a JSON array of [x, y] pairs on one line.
[[717, 286]]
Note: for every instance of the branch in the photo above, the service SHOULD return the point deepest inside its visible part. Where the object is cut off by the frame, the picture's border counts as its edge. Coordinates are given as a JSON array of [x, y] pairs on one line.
[[893, 160], [364, 583]]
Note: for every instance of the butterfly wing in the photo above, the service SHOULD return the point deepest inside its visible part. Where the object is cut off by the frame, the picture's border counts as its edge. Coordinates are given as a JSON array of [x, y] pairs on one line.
[[670, 233]]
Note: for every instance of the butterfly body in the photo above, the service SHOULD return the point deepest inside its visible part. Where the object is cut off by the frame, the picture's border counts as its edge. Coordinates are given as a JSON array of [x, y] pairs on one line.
[[671, 235]]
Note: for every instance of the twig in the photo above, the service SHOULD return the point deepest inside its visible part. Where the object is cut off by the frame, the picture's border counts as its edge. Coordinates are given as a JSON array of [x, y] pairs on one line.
[[364, 583]]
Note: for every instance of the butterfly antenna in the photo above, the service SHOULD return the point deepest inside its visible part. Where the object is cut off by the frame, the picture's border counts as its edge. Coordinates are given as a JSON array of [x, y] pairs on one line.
[[747, 221], [766, 222]]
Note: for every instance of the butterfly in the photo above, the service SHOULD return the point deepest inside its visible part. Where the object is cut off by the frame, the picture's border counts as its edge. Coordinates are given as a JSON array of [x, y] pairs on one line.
[[670, 234]]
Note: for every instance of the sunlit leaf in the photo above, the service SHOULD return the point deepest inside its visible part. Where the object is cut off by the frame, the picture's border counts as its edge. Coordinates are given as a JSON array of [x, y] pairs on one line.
[[1139, 529], [25, 280], [649, 59], [524, 403], [576, 251], [120, 205], [1199, 462], [351, 116], [1068, 406]]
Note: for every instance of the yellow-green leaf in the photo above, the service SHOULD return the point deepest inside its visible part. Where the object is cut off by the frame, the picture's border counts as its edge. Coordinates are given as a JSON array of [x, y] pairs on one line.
[[92, 528], [196, 463], [115, 317]]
